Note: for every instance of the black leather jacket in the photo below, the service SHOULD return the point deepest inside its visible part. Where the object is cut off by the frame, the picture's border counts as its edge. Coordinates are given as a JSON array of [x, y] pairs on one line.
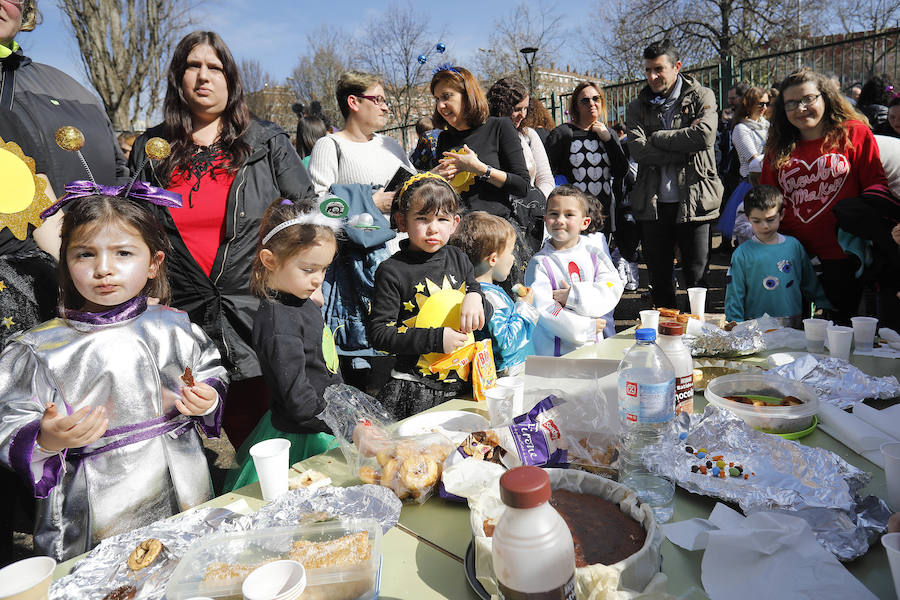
[[221, 303], [44, 99]]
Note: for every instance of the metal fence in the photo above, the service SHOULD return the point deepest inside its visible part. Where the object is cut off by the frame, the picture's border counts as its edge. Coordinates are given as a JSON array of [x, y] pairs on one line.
[[851, 58]]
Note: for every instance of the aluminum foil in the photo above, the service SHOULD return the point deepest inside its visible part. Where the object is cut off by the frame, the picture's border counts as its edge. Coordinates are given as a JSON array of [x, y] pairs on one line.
[[105, 569], [837, 382], [812, 483], [745, 339]]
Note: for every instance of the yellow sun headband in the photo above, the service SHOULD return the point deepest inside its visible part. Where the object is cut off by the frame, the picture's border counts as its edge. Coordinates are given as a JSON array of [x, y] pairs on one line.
[[420, 177], [22, 193]]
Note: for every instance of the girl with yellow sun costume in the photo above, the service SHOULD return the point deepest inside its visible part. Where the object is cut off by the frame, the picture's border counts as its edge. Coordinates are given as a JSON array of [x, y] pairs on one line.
[[427, 301], [28, 283]]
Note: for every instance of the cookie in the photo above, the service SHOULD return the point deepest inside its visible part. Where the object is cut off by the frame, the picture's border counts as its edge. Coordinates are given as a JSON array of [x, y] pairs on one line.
[[144, 555], [126, 592], [188, 377]]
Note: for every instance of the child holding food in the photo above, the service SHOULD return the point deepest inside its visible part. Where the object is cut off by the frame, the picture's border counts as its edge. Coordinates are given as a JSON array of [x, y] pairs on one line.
[[770, 273], [101, 406], [296, 351], [489, 241], [417, 291], [575, 283]]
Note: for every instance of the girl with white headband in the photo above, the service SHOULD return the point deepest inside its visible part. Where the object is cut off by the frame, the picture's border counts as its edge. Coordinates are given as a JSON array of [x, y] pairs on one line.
[[295, 349]]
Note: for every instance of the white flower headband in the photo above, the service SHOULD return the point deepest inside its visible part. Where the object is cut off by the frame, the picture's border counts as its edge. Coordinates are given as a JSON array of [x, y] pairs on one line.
[[321, 218]]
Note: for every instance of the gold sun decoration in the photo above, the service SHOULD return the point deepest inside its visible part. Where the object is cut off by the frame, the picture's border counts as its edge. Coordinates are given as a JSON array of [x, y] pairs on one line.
[[23, 195]]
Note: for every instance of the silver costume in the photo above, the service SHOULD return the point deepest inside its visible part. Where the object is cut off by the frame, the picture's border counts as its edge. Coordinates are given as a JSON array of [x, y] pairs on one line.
[[150, 463]]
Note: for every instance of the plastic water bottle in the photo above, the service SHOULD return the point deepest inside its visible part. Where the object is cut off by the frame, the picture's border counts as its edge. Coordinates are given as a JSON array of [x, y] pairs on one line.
[[533, 552], [646, 381], [670, 341]]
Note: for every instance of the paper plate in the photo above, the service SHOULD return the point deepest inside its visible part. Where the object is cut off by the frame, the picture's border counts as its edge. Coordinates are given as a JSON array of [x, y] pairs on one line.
[[454, 424]]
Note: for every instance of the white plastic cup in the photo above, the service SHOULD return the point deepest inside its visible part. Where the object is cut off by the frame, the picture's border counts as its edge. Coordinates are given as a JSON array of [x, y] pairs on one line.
[[270, 457], [697, 300], [517, 385], [839, 340], [650, 319], [27, 579], [891, 453], [891, 543], [864, 332], [500, 405], [814, 329], [277, 580]]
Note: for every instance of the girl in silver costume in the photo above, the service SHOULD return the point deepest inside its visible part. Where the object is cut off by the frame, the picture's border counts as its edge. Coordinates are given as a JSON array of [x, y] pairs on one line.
[[99, 415]]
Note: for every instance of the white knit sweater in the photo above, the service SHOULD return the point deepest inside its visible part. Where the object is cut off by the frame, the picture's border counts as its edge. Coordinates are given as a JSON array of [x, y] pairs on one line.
[[373, 162]]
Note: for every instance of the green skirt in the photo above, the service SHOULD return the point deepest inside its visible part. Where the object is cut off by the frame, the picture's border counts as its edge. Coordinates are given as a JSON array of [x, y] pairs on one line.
[[303, 445]]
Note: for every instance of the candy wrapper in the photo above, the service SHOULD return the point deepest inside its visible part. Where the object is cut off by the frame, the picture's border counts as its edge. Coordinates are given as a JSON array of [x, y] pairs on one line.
[[410, 466], [836, 381], [775, 474], [477, 358], [554, 432], [745, 339]]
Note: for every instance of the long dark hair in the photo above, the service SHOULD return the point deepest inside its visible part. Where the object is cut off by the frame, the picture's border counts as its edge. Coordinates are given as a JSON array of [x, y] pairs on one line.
[[177, 114], [84, 215]]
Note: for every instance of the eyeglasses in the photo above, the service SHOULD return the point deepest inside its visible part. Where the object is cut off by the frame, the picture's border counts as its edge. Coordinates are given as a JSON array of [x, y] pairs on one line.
[[586, 101], [805, 101], [763, 104], [376, 100]]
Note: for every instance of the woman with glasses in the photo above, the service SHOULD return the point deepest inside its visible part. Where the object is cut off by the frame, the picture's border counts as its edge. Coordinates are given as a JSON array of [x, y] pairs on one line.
[[228, 167], [356, 164], [585, 151], [819, 151], [45, 99]]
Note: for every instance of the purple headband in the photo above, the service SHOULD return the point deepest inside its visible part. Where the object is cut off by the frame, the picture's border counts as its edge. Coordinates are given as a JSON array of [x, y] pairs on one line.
[[138, 191]]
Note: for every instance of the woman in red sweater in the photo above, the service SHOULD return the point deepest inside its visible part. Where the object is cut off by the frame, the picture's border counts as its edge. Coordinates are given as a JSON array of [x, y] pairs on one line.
[[820, 151]]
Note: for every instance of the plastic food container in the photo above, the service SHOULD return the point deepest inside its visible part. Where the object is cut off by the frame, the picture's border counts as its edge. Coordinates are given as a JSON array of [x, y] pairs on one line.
[[249, 548], [771, 419]]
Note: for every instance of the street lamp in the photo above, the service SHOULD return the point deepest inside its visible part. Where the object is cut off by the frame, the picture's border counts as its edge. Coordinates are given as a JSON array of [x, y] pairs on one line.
[[528, 52]]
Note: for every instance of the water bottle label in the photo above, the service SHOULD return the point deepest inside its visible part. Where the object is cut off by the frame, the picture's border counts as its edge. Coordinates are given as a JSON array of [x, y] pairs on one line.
[[564, 592], [646, 402]]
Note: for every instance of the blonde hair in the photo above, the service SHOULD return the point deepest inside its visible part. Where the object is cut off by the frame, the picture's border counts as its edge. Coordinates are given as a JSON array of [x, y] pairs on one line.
[[352, 83], [31, 16]]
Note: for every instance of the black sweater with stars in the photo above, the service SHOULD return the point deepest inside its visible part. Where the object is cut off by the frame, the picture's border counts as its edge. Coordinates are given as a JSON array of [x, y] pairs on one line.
[[398, 280]]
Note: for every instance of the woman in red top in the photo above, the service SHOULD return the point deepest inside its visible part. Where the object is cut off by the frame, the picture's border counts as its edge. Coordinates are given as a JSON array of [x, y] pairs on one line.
[[228, 167], [820, 151]]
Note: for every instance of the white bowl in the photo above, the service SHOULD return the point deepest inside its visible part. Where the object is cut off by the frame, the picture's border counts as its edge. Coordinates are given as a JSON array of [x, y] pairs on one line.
[[771, 419], [278, 580]]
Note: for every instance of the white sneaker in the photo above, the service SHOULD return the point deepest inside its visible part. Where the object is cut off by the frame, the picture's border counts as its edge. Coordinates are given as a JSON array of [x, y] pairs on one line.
[[621, 265], [632, 279]]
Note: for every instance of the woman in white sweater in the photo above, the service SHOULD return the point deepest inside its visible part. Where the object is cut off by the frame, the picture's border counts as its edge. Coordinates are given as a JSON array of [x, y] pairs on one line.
[[748, 135], [750, 131]]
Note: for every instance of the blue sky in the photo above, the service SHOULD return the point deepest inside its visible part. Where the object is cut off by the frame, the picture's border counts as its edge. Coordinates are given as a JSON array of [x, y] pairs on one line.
[[271, 31]]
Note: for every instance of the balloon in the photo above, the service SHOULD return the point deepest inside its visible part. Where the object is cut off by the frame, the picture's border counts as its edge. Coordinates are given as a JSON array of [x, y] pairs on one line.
[[440, 47], [422, 59]]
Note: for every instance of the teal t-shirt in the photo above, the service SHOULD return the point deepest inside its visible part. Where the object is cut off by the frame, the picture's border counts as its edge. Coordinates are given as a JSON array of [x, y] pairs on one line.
[[771, 279]]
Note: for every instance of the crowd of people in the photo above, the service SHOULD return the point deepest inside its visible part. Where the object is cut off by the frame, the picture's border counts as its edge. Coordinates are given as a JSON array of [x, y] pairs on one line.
[[287, 275]]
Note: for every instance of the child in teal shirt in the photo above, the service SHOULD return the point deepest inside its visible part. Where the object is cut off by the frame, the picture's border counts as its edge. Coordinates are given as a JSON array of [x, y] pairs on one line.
[[771, 272]]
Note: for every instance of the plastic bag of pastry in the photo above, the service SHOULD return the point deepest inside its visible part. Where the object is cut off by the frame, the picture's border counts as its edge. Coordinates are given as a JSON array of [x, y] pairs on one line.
[[554, 432], [410, 466], [358, 421]]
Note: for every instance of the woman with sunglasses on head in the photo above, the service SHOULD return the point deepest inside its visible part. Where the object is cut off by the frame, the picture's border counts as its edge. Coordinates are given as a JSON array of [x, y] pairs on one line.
[[818, 152], [228, 166], [585, 151], [356, 164]]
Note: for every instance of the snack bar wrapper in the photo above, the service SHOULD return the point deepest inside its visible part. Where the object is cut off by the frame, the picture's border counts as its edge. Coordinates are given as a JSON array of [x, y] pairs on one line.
[[410, 466], [554, 432], [477, 359]]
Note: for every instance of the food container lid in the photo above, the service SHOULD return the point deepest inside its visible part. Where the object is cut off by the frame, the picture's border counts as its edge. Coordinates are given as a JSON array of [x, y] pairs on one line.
[[646, 334], [525, 487], [671, 328]]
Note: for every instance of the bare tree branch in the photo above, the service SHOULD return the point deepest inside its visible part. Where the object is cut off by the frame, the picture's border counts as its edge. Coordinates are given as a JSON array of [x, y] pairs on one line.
[[124, 46]]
